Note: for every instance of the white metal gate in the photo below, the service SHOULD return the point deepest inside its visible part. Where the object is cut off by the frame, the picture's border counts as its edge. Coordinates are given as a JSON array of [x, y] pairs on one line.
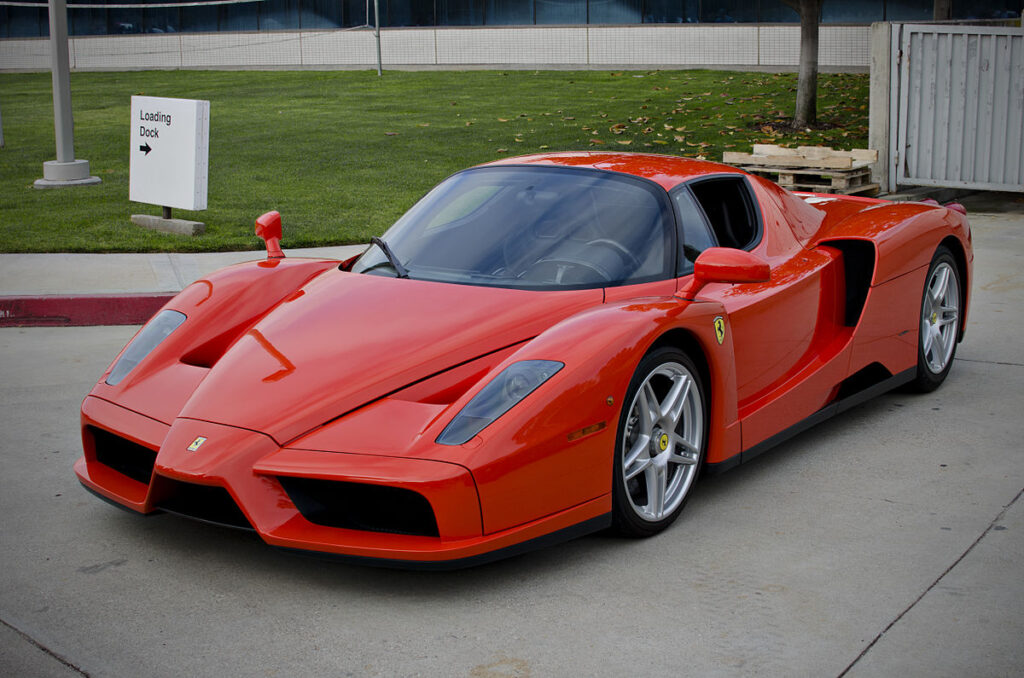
[[958, 110]]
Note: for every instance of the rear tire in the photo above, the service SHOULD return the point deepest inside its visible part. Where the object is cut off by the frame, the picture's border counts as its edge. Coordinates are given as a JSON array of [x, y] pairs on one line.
[[661, 442], [939, 322]]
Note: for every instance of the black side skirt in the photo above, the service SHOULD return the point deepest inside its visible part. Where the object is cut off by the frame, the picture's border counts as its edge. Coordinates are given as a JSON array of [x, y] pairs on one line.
[[821, 415]]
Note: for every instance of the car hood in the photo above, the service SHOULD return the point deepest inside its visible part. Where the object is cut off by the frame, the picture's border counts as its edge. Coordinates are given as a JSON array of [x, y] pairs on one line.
[[345, 340]]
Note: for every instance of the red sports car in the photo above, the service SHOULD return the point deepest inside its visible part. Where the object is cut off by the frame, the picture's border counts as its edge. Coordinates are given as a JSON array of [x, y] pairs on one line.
[[541, 347]]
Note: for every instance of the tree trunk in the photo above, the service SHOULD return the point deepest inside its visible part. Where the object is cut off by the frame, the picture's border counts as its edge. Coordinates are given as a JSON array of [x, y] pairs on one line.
[[807, 83]]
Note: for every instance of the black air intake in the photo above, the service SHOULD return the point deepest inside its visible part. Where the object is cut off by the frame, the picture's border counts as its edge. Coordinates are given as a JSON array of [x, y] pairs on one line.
[[127, 458], [357, 506]]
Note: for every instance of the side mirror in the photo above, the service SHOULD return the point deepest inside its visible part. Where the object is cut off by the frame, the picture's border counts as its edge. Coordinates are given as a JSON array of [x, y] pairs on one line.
[[725, 265], [268, 227]]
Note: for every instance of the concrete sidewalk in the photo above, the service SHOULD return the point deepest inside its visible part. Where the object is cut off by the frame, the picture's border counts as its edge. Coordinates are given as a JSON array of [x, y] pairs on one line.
[[112, 289], [58, 274]]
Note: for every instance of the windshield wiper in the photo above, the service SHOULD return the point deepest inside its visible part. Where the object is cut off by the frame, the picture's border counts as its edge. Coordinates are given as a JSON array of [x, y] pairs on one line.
[[395, 263]]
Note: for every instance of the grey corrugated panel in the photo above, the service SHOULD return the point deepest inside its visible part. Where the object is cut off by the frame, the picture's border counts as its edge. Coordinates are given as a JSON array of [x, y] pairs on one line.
[[961, 108]]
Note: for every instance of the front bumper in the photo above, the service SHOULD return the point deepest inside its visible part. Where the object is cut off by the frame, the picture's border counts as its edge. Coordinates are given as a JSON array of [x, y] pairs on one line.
[[391, 511]]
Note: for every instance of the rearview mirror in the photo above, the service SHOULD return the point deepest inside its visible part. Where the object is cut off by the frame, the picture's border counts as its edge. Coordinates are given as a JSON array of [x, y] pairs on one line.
[[725, 265], [268, 227]]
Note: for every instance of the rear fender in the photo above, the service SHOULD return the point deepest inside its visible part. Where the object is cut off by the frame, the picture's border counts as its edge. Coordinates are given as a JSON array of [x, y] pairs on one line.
[[905, 235]]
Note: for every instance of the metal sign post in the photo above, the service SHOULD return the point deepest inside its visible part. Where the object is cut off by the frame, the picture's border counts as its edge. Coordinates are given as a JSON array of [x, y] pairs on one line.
[[376, 32], [65, 170]]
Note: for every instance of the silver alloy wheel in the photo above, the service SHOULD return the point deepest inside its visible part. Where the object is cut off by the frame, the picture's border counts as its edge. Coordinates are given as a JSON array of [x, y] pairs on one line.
[[940, 315], [662, 441]]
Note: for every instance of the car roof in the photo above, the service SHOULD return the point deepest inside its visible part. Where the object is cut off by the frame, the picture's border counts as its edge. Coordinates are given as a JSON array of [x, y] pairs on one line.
[[666, 170]]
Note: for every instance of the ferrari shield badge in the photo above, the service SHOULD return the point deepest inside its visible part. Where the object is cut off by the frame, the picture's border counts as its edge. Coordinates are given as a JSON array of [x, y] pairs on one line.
[[196, 444], [720, 328]]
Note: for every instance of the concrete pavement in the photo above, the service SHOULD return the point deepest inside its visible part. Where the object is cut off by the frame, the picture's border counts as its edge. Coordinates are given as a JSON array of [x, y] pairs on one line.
[[111, 289], [888, 541]]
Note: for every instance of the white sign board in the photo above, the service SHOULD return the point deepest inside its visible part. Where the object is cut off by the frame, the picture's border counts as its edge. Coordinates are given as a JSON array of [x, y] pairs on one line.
[[170, 151]]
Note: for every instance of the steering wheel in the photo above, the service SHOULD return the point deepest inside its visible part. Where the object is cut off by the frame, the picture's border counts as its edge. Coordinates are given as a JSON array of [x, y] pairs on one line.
[[562, 264], [619, 249]]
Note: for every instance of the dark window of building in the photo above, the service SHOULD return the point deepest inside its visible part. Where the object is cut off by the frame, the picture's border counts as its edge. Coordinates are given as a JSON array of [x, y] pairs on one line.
[[671, 11], [728, 11], [508, 13], [778, 12], [616, 11], [460, 12], [851, 12], [909, 10], [561, 11]]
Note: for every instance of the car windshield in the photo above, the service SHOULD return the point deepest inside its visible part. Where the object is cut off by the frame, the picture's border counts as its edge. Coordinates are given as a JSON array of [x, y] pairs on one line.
[[532, 227]]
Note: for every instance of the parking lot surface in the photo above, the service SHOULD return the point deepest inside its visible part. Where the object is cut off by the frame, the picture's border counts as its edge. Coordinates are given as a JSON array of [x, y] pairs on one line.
[[888, 541]]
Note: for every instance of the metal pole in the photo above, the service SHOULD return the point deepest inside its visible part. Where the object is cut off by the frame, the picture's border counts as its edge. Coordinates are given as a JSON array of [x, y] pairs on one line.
[[376, 31], [66, 170], [59, 66]]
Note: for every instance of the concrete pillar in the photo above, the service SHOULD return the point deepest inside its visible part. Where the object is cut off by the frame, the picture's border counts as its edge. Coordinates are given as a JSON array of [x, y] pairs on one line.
[[878, 102], [65, 170]]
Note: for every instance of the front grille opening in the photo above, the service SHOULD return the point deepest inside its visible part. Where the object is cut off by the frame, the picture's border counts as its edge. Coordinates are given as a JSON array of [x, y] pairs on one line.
[[128, 458], [208, 503], [358, 506]]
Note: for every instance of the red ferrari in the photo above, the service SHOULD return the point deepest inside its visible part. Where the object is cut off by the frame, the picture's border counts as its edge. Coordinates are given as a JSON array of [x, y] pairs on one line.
[[542, 347]]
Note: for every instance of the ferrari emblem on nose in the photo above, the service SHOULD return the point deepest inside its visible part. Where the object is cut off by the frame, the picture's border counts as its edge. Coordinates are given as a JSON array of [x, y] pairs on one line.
[[196, 444], [720, 328]]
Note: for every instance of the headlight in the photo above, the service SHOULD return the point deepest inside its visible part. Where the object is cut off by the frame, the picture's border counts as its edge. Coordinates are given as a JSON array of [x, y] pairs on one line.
[[513, 384], [155, 331]]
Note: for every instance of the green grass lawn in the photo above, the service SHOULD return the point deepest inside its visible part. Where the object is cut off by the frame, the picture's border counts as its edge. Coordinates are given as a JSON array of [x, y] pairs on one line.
[[343, 153]]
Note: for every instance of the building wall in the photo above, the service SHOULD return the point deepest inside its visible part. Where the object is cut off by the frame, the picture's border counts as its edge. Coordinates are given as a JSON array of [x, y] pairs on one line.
[[661, 46]]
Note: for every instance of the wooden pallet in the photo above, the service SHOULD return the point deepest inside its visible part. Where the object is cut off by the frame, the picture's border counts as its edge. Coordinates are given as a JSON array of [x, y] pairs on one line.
[[834, 181], [804, 157], [820, 169]]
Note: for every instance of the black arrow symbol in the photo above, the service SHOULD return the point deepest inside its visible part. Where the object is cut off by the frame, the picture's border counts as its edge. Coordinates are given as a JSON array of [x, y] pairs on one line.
[[145, 148]]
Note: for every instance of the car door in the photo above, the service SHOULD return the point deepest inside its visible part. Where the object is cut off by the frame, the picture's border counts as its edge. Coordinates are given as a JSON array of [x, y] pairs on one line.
[[779, 327]]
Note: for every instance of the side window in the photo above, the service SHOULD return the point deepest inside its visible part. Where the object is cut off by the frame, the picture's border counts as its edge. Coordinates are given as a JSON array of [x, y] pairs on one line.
[[730, 210], [695, 235]]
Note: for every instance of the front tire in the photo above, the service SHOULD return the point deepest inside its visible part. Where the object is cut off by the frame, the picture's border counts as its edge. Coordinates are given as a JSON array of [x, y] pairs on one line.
[[939, 322], [661, 442]]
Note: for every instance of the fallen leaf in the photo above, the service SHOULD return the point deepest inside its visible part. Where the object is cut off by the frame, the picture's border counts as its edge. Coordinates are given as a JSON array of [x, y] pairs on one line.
[[596, 141], [624, 142], [502, 150], [502, 120], [423, 124], [391, 134]]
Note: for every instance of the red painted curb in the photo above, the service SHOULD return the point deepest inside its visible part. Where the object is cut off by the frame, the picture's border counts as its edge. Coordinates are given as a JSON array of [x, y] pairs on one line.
[[78, 310]]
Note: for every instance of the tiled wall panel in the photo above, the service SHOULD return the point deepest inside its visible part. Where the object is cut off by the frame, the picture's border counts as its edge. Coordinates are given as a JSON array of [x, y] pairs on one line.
[[660, 46], [210, 50], [127, 52], [561, 46], [674, 45]]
